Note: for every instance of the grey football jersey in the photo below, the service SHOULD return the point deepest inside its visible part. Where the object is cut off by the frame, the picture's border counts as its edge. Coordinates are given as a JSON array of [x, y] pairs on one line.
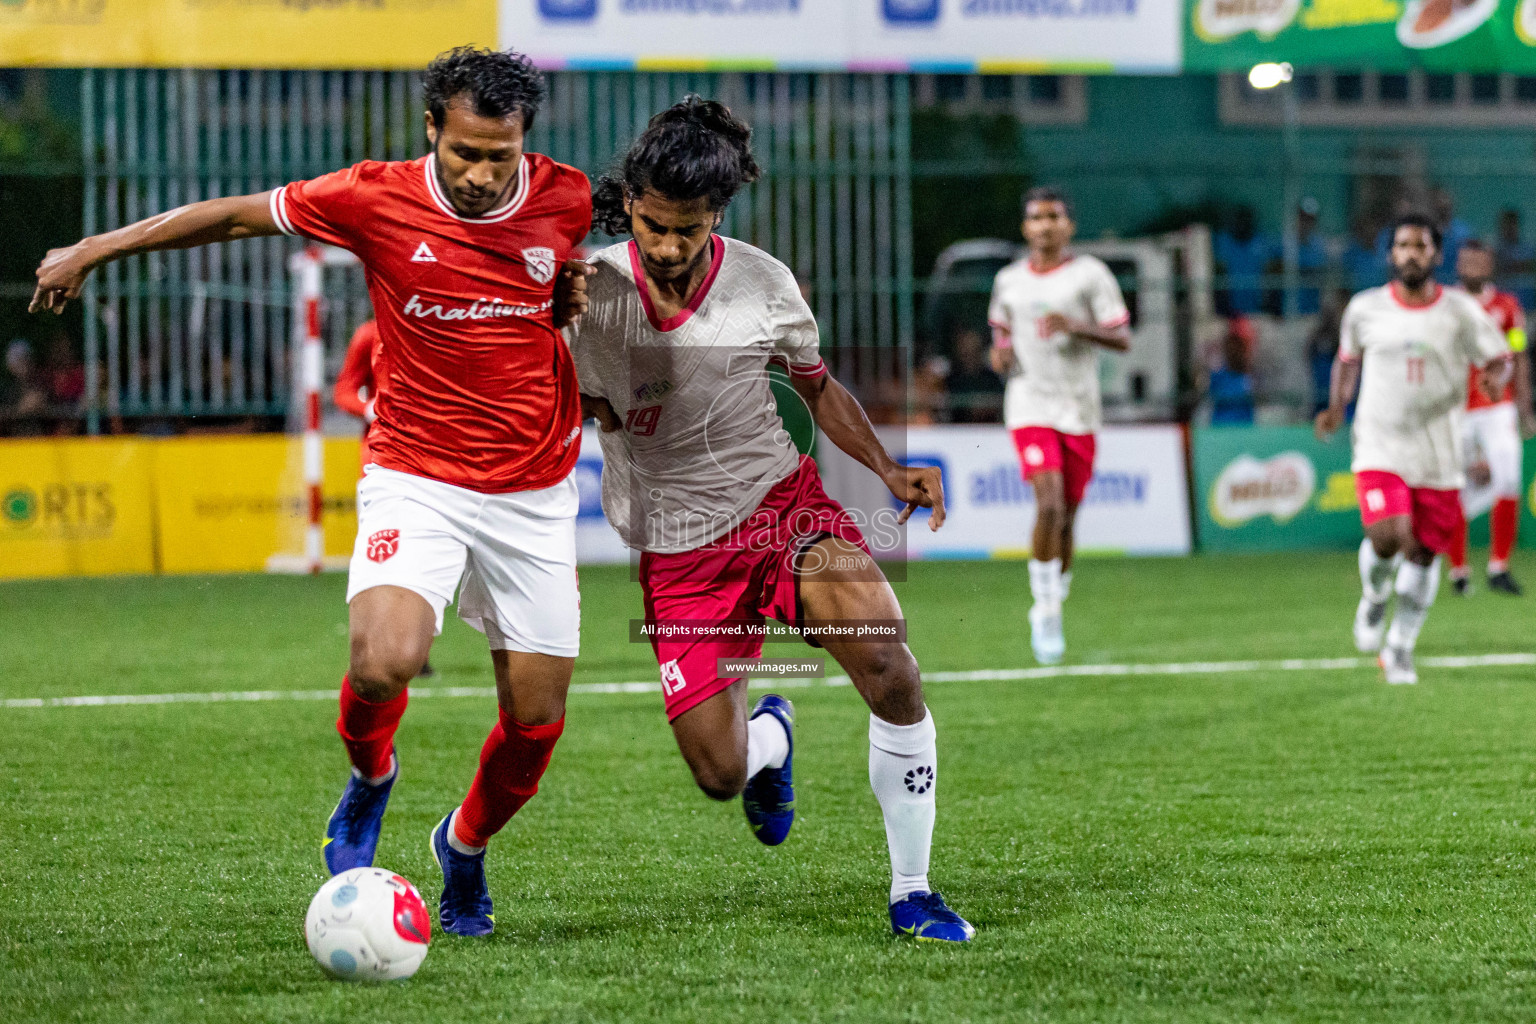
[[702, 441]]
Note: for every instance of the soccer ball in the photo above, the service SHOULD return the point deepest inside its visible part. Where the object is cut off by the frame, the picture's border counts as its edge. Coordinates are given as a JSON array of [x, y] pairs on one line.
[[368, 924]]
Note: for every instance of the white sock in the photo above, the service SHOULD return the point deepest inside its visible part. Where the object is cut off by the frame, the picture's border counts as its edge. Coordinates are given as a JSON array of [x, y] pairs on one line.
[[1416, 587], [903, 772], [1066, 585], [1375, 573], [1045, 582], [456, 843], [394, 766], [767, 744]]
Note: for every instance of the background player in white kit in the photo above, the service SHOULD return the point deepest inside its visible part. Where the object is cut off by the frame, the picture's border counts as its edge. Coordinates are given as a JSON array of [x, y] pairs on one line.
[[732, 523], [1051, 313], [1409, 345]]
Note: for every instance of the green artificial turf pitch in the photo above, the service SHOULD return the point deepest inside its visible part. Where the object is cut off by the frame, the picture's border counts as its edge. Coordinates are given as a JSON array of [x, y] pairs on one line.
[[1266, 845]]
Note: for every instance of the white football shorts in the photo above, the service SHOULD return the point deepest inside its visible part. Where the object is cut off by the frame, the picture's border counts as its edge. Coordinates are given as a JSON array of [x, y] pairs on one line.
[[511, 557], [1491, 434]]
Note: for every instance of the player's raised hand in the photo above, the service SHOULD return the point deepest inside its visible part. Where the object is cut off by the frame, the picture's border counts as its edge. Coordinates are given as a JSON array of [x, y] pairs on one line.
[[1327, 421], [571, 291], [598, 408], [60, 277], [919, 487]]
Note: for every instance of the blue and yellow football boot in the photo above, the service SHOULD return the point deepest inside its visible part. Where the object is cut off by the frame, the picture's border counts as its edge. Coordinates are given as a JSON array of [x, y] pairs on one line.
[[769, 799], [352, 834], [926, 917]]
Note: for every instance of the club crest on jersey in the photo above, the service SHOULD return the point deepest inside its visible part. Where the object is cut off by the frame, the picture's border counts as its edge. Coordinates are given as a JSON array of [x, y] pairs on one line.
[[541, 263], [382, 545], [652, 391], [423, 254]]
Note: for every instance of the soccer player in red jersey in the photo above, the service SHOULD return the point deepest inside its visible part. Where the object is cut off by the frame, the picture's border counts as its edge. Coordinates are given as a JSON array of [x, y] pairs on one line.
[[732, 523], [478, 417], [1490, 433]]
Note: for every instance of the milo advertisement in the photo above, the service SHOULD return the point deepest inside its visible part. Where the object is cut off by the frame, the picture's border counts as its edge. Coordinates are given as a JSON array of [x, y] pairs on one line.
[[1388, 35], [1277, 488]]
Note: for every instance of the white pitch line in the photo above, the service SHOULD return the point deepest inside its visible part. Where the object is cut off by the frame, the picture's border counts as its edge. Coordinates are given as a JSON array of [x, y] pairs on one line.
[[1177, 668]]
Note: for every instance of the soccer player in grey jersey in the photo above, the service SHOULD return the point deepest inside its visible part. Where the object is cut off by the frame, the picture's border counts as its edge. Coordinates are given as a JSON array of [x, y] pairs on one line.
[[732, 524]]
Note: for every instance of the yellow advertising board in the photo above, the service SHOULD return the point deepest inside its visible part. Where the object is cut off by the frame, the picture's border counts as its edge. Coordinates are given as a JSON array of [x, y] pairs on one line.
[[226, 504], [239, 33], [75, 507]]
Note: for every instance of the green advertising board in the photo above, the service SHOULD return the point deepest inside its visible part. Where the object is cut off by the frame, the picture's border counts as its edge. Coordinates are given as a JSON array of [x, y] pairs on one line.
[[1274, 488], [1385, 35]]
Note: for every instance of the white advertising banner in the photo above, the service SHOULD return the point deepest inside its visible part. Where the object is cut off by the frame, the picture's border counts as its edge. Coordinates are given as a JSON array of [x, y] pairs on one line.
[[676, 34], [998, 36], [1018, 36], [1137, 502]]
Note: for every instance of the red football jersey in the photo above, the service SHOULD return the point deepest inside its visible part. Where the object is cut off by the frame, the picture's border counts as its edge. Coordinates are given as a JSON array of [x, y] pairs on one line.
[[476, 388], [1506, 312]]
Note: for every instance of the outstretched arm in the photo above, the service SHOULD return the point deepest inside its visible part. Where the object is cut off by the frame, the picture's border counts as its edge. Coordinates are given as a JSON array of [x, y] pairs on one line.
[[1341, 388], [842, 419], [63, 271]]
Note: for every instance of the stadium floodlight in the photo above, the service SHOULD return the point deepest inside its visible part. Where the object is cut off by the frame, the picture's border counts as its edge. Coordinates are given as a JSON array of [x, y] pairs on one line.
[[1269, 75]]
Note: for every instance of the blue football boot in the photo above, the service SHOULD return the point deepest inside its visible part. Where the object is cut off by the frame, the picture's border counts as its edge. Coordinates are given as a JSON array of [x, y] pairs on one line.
[[925, 917], [769, 798], [465, 906], [352, 834]]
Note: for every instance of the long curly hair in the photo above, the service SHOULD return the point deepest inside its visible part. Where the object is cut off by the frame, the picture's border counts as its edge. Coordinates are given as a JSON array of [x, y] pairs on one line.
[[693, 149]]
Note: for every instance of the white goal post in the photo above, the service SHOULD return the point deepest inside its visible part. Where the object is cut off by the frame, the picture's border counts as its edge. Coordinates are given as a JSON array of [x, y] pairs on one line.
[[301, 528]]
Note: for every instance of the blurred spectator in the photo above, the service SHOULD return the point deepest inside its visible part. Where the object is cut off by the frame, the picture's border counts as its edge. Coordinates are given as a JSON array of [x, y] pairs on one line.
[[1311, 258], [975, 392], [1323, 346], [65, 373], [24, 395], [1230, 386], [1455, 232], [1515, 259], [1364, 267], [1242, 255]]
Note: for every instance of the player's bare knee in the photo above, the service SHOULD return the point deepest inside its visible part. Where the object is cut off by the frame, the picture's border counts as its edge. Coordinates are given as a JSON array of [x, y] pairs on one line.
[[720, 780], [381, 668]]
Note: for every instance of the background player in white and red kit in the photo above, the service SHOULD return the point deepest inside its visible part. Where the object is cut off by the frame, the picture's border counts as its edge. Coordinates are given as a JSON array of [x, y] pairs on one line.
[[733, 525], [1408, 345], [474, 440], [1491, 432], [1051, 315]]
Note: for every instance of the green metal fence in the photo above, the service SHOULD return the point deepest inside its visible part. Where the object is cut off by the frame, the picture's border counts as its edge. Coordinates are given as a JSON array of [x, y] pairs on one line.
[[208, 331]]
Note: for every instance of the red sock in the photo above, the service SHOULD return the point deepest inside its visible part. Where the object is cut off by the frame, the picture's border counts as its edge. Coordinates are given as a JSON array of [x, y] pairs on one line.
[[511, 764], [368, 729], [1458, 550], [1504, 524]]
